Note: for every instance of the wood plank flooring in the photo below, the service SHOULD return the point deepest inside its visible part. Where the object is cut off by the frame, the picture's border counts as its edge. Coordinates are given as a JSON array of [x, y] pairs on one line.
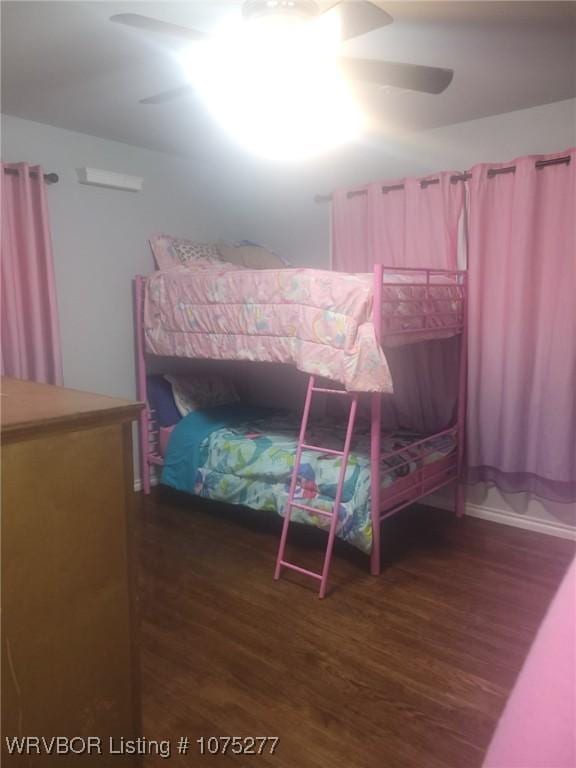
[[407, 670]]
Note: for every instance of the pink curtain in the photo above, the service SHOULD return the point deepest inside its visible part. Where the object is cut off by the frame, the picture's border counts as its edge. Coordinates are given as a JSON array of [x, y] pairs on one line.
[[411, 224], [29, 316], [522, 372], [408, 227]]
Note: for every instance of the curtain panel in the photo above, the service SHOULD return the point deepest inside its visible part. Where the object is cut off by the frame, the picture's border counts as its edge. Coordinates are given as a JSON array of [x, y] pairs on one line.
[[521, 228], [29, 314], [522, 334], [409, 227]]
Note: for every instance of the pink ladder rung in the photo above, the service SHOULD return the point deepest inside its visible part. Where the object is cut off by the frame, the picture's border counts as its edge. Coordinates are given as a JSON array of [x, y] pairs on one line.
[[312, 510], [330, 391], [280, 561], [320, 449], [299, 569]]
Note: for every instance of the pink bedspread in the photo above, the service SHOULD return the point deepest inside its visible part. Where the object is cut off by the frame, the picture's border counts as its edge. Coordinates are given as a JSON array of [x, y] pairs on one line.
[[317, 320]]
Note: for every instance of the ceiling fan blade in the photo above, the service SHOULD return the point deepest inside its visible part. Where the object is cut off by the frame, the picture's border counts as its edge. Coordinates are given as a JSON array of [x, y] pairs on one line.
[[173, 95], [359, 17], [149, 24], [412, 77]]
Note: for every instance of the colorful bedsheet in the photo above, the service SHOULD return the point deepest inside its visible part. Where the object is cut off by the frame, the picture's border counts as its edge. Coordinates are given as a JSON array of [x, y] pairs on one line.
[[250, 463], [317, 320]]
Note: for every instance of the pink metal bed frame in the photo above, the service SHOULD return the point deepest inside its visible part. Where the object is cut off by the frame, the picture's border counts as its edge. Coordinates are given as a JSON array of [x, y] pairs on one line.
[[384, 503]]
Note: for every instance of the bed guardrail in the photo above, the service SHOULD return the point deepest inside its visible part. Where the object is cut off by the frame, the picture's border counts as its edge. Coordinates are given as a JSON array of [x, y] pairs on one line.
[[148, 439], [440, 293], [436, 295]]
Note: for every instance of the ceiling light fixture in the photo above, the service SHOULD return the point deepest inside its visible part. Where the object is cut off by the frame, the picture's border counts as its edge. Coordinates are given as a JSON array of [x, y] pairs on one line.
[[252, 9], [274, 84]]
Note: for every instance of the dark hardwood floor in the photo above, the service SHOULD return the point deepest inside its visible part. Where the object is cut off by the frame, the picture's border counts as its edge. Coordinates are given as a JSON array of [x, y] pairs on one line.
[[408, 670]]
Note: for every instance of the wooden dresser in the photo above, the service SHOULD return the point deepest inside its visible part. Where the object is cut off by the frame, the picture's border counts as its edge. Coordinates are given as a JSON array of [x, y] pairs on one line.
[[69, 660]]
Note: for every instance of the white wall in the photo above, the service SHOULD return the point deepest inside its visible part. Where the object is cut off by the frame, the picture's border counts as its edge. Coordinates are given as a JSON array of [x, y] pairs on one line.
[[100, 235], [99, 238], [274, 203]]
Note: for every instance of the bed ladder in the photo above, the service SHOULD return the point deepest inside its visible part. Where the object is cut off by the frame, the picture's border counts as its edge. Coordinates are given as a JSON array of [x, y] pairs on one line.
[[322, 577]]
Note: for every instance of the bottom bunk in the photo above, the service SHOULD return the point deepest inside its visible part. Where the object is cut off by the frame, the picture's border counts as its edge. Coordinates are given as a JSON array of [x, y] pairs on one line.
[[245, 455]]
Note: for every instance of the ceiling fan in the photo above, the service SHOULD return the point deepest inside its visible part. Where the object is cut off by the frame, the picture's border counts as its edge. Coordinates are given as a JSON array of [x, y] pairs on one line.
[[356, 18]]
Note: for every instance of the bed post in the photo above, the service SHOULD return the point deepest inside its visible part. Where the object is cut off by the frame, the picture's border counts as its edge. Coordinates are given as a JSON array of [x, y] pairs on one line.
[[375, 429], [460, 493], [143, 426]]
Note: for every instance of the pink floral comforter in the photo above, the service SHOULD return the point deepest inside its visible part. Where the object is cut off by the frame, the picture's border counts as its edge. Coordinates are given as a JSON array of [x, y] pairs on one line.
[[317, 320]]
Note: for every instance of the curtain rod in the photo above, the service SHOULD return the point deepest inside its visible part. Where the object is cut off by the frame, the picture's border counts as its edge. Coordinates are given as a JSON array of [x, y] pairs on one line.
[[565, 160], [49, 178]]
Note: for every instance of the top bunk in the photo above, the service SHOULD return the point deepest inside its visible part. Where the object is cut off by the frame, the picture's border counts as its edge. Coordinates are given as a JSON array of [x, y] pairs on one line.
[[331, 324]]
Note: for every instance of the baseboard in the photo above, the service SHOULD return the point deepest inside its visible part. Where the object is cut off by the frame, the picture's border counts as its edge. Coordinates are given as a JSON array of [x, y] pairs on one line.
[[508, 517]]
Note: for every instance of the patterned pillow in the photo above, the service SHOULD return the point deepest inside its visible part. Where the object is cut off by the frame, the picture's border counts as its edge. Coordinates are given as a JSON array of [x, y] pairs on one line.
[[172, 252], [191, 393], [187, 252]]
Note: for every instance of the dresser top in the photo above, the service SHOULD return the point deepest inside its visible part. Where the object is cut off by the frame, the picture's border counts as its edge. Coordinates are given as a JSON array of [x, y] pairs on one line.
[[27, 408]]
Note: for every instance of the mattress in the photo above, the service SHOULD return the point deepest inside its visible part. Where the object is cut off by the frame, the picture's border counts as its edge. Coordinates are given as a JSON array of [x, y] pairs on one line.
[[318, 320], [250, 463]]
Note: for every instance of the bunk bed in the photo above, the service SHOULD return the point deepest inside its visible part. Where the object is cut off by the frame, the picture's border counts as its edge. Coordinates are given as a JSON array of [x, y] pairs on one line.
[[332, 326]]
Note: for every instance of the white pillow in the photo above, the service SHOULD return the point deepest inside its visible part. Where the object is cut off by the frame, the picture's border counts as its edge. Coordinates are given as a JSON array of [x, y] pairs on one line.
[[192, 393]]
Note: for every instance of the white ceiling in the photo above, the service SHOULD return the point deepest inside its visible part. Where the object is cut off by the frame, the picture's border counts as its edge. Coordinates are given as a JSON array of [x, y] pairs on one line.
[[65, 64]]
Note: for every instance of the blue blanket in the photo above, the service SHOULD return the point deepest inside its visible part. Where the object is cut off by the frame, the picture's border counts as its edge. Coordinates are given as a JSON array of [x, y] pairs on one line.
[[182, 458], [246, 456]]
